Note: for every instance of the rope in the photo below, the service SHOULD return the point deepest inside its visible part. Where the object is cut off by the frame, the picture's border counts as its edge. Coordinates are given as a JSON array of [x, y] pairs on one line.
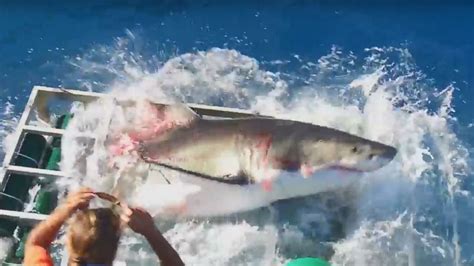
[[12, 197], [29, 158], [163, 175]]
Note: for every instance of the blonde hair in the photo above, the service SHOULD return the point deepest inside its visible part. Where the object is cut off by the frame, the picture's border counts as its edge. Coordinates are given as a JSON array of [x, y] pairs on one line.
[[93, 236]]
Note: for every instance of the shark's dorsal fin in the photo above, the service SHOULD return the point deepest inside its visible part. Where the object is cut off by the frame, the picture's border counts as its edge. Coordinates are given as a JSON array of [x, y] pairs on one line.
[[181, 113]]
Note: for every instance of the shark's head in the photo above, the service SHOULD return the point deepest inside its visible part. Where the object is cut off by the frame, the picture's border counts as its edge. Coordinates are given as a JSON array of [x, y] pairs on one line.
[[343, 151]]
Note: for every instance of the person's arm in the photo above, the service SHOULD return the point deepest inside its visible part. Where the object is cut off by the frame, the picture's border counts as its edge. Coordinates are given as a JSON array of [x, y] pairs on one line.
[[140, 221], [45, 232], [167, 254]]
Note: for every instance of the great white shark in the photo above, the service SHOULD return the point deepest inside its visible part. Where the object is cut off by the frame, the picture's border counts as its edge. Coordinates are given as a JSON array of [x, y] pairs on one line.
[[245, 163]]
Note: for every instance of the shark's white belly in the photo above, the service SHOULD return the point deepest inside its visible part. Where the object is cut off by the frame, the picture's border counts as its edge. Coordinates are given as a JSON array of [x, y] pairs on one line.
[[212, 198]]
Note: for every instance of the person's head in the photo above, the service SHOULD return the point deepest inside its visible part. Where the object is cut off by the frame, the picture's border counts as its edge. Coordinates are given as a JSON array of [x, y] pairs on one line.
[[93, 236]]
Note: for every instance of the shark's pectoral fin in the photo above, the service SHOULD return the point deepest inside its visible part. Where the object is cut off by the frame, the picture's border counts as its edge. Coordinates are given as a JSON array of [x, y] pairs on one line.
[[176, 209]]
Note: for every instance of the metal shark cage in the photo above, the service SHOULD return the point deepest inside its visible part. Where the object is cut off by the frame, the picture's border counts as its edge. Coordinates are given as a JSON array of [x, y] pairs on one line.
[[27, 193]]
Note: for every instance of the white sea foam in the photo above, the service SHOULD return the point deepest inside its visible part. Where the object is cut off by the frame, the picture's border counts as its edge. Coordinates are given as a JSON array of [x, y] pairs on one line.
[[5, 246]]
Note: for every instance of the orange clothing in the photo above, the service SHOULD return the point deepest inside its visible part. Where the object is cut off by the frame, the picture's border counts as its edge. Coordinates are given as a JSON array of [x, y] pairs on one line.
[[37, 256]]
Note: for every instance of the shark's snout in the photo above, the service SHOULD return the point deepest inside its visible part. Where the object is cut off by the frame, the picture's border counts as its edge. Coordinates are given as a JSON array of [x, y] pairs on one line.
[[382, 158], [390, 153], [369, 157]]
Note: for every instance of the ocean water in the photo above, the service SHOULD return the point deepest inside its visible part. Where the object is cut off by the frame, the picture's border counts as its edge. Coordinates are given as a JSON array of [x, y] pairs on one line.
[[393, 71]]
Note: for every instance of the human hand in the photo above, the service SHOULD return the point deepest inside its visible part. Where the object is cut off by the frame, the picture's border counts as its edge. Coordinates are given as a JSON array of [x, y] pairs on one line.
[[138, 219], [79, 199]]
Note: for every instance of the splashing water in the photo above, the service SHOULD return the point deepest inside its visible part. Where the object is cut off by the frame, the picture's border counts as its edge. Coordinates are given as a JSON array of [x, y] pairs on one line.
[[404, 214], [8, 122], [5, 246]]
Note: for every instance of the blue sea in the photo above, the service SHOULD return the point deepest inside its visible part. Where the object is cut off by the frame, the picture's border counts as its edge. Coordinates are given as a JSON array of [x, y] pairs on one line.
[[400, 72]]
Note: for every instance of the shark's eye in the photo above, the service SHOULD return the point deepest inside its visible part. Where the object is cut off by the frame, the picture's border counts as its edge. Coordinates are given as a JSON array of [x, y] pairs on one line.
[[371, 156], [354, 149]]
